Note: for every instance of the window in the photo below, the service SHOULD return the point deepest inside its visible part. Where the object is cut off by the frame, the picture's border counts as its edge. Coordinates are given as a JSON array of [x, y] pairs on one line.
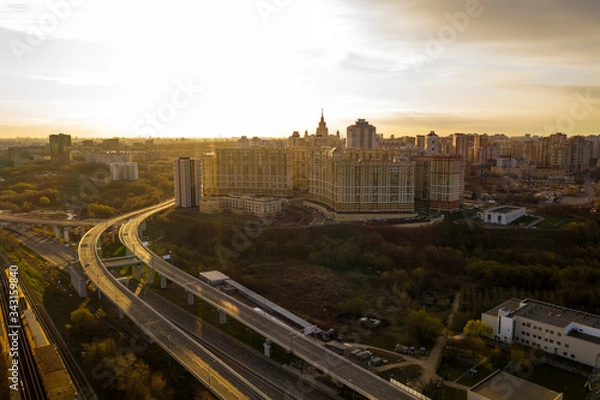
[[572, 355], [558, 343], [559, 334], [564, 353], [551, 341], [567, 345]]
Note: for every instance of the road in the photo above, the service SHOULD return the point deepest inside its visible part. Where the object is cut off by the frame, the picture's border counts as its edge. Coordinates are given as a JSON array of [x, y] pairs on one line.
[[281, 383], [201, 363], [271, 378], [28, 220], [311, 351]]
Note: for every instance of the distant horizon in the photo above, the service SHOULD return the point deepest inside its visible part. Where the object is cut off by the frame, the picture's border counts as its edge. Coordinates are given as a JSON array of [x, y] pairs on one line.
[[76, 136], [103, 69]]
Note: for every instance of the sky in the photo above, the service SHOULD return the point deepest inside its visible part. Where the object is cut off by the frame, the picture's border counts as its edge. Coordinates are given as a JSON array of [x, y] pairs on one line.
[[185, 68]]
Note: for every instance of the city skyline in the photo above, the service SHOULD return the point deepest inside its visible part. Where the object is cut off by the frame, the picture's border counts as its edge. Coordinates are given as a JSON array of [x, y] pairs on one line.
[[265, 68]]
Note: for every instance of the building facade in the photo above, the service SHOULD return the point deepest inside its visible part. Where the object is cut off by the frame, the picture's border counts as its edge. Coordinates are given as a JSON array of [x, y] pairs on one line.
[[503, 215], [123, 171], [557, 330], [188, 182], [60, 148], [361, 181], [361, 135], [255, 171]]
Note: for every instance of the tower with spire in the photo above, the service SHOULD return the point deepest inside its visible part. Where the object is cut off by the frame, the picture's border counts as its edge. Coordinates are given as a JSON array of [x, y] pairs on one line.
[[322, 130]]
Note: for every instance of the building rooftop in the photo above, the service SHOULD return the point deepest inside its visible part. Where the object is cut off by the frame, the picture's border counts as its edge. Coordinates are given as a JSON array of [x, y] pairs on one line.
[[501, 385], [214, 276], [504, 209], [546, 313]]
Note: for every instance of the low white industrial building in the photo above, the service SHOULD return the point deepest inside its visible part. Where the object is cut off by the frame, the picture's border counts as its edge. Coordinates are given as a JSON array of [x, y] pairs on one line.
[[503, 215], [557, 330]]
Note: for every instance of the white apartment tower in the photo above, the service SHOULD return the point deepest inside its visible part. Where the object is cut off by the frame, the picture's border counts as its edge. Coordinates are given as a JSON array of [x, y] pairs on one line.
[[188, 182]]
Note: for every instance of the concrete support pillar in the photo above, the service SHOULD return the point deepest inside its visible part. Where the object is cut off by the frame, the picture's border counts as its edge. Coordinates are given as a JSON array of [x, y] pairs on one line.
[[66, 233], [136, 271], [23, 228], [267, 347], [190, 298], [121, 314], [99, 293], [222, 317], [149, 276], [56, 232], [128, 252], [163, 282]]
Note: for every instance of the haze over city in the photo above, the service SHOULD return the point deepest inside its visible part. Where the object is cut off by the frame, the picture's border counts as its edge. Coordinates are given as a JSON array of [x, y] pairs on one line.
[[266, 68]]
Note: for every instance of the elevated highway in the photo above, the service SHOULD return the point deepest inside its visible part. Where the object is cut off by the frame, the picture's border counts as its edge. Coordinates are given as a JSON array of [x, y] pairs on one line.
[[201, 363], [330, 363]]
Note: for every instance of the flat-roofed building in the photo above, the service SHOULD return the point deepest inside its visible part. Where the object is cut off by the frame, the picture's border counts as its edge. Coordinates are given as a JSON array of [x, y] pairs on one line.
[[503, 386], [503, 215], [557, 330]]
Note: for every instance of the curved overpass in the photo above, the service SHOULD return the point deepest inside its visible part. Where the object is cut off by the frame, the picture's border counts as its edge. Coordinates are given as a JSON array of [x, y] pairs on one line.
[[219, 378], [339, 368]]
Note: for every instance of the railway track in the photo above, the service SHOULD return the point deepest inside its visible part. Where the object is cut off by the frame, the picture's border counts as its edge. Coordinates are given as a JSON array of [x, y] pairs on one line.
[[30, 380], [78, 377]]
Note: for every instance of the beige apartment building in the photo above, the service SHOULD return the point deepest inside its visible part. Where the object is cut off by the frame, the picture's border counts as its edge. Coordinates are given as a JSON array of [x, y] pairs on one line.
[[361, 181], [257, 172], [440, 180]]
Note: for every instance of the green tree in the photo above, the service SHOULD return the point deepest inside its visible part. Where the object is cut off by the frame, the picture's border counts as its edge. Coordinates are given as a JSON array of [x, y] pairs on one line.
[[477, 328], [43, 201], [422, 327], [95, 210]]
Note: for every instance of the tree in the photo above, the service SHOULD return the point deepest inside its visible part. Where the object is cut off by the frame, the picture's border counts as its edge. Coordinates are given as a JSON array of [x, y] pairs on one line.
[[84, 322], [477, 328], [422, 327], [44, 201]]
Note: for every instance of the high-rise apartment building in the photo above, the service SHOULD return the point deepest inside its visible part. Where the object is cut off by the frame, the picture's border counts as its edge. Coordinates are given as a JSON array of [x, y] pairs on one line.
[[361, 181], [188, 182], [432, 143], [361, 135], [446, 183], [60, 148], [440, 180], [255, 171]]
